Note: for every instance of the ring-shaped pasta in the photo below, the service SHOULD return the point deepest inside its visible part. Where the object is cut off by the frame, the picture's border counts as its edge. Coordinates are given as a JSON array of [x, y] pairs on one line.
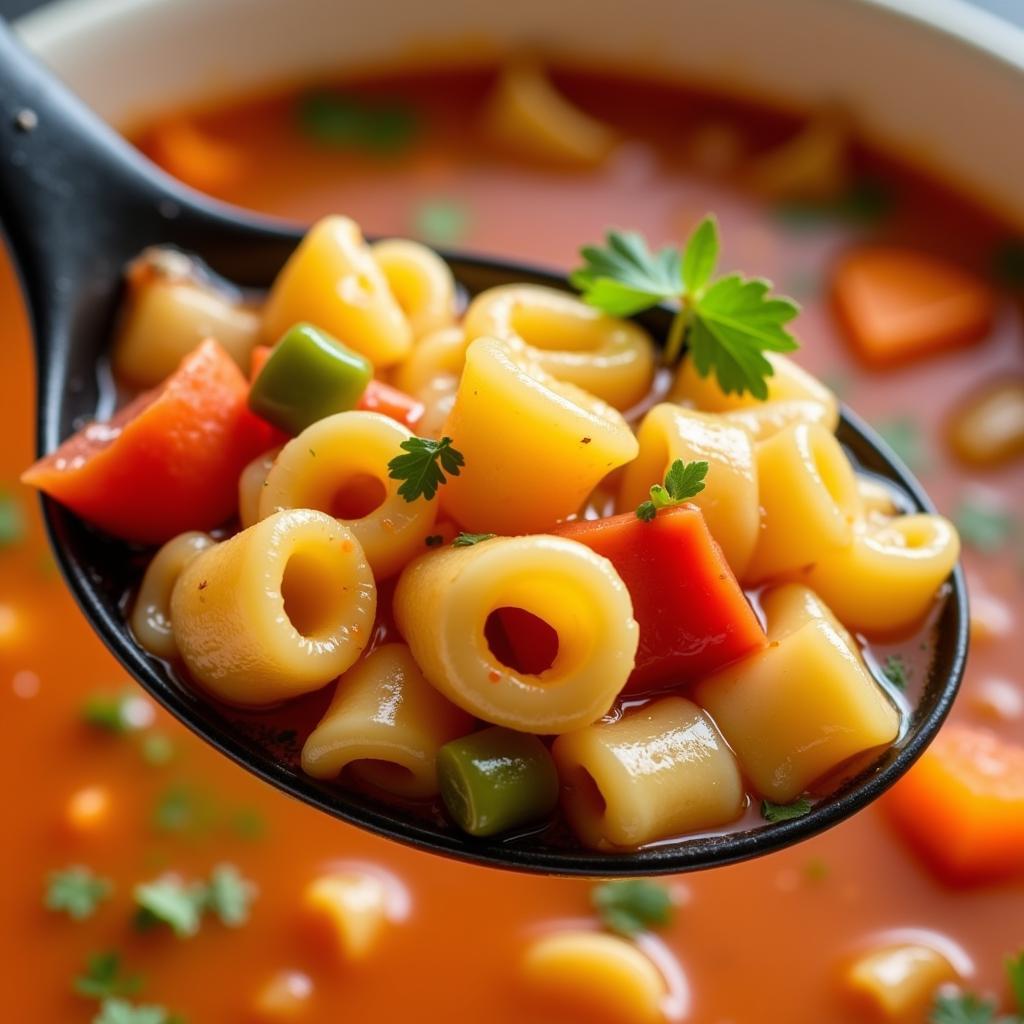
[[442, 604], [605, 356], [421, 282], [661, 770], [275, 611], [151, 613], [788, 382], [337, 456], [251, 482], [438, 355], [809, 501], [885, 581], [535, 447], [385, 725], [729, 500]]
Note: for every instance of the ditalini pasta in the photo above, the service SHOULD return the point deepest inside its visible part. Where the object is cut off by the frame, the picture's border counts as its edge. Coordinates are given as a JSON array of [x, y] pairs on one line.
[[279, 609], [385, 726], [607, 357], [514, 545], [339, 465], [534, 447], [443, 602], [660, 770], [729, 501]]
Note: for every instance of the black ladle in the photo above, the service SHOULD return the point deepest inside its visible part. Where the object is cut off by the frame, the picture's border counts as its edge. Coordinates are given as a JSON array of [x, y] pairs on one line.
[[77, 203]]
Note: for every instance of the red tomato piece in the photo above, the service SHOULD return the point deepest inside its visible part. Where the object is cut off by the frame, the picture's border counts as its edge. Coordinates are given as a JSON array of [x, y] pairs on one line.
[[167, 462]]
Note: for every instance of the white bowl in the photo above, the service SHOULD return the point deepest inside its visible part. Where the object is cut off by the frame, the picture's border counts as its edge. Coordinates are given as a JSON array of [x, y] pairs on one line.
[[938, 82]]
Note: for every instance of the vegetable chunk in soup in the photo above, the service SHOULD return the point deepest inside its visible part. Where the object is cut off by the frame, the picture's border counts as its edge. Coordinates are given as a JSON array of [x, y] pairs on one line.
[[150, 881]]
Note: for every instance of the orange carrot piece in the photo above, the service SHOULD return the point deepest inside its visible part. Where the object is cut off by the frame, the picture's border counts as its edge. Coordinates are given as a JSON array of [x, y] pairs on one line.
[[389, 401], [962, 805], [898, 305], [258, 359], [194, 156]]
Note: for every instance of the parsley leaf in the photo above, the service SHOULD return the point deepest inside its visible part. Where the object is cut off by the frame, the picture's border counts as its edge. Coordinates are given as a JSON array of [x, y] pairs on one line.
[[682, 481], [1015, 975], [903, 436], [423, 466], [103, 978], [963, 1008], [895, 670], [467, 540], [76, 891], [785, 812], [12, 520], [172, 902], [117, 712], [983, 525], [350, 122], [119, 1011], [228, 895], [441, 221], [632, 906], [729, 323]]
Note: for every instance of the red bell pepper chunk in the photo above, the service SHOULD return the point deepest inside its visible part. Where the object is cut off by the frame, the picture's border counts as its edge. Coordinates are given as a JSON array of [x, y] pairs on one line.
[[167, 462], [693, 616]]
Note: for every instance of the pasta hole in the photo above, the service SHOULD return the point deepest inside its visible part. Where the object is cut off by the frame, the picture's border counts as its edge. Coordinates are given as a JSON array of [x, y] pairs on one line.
[[588, 793], [388, 776], [313, 594], [521, 640], [357, 497]]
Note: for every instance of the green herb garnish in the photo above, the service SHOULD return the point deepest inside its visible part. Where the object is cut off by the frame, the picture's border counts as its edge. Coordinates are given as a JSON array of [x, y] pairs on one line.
[[349, 122], [441, 221], [785, 812], [183, 808], [423, 466], [248, 823], [102, 977], [982, 525], [895, 670], [632, 906], [683, 480], [867, 201], [172, 902], [903, 436], [729, 323], [967, 1008], [228, 895], [12, 520], [157, 749], [119, 712], [120, 1011], [76, 891], [467, 540]]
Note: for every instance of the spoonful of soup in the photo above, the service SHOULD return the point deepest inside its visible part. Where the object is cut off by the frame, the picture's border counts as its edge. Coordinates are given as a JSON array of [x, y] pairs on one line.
[[576, 575]]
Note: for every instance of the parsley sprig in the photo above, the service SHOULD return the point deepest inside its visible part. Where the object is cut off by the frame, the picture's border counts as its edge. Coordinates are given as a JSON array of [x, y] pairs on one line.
[[76, 891], [968, 1008], [785, 812], [467, 540], [103, 978], [632, 906], [181, 905], [683, 481], [728, 323], [423, 466]]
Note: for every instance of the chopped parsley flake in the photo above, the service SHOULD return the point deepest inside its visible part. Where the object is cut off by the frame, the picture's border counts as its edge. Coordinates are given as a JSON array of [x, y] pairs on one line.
[[12, 520], [441, 221], [170, 901], [228, 895], [903, 436], [895, 670], [633, 905], [103, 979], [343, 121], [467, 540], [785, 812], [983, 525], [121, 712], [120, 1011], [76, 891]]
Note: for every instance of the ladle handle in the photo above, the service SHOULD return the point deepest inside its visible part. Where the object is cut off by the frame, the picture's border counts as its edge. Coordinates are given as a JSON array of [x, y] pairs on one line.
[[73, 193]]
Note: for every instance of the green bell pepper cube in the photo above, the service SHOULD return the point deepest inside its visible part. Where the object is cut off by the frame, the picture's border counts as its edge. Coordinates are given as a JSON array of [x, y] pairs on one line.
[[496, 780], [308, 376]]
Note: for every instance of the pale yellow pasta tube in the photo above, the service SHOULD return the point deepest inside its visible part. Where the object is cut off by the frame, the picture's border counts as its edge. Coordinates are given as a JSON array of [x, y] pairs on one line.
[[789, 382], [804, 705], [251, 482], [444, 598], [898, 983], [534, 447], [337, 455], [151, 613], [528, 117], [168, 312], [809, 501], [333, 281], [768, 418], [729, 500], [608, 357], [278, 610], [385, 725], [438, 355], [661, 770], [887, 578], [877, 501], [420, 281], [580, 973]]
